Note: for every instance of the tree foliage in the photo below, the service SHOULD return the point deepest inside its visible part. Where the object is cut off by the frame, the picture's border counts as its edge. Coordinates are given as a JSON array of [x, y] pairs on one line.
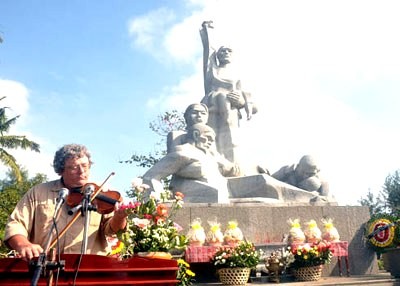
[[8, 141], [11, 191], [162, 125], [391, 193], [374, 203], [388, 200]]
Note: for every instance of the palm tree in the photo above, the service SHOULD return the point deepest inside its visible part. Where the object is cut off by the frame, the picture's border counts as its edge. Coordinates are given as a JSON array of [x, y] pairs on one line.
[[12, 142]]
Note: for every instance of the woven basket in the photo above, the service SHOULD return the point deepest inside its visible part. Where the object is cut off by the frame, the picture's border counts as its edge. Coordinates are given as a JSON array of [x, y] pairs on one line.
[[310, 273], [234, 276]]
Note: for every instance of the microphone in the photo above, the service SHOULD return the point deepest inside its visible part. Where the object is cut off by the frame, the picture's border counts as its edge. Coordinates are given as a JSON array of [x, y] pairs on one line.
[[62, 194], [89, 189], [74, 209], [87, 192]]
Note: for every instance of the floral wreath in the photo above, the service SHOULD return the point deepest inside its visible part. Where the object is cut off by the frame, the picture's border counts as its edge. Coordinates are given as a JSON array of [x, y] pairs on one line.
[[386, 238]]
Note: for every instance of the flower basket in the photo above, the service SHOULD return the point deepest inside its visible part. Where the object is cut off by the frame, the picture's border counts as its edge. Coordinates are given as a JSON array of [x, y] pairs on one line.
[[234, 276], [309, 273]]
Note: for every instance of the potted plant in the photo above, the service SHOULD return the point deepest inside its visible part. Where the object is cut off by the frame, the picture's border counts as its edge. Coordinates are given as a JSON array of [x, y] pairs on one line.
[[308, 259], [234, 263]]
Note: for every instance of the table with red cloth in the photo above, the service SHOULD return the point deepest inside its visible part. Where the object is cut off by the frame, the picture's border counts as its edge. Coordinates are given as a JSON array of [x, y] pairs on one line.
[[341, 249], [203, 254]]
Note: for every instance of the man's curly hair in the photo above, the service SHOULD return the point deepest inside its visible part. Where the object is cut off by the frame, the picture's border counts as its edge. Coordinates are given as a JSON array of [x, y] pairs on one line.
[[66, 152]]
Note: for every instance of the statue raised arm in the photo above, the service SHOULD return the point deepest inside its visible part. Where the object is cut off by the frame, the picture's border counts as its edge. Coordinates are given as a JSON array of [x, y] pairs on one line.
[[223, 94]]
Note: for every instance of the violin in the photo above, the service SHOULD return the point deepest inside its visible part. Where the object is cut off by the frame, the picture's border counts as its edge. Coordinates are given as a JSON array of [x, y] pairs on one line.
[[103, 201]]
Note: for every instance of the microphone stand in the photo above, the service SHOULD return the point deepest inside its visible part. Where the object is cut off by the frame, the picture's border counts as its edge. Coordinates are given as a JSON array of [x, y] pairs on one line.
[[85, 207], [42, 259]]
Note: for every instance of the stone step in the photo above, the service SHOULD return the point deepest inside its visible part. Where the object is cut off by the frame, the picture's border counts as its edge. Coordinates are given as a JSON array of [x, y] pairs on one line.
[[380, 279]]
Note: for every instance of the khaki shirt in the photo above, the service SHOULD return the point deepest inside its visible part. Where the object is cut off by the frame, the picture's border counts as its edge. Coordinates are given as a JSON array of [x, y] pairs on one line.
[[33, 218]]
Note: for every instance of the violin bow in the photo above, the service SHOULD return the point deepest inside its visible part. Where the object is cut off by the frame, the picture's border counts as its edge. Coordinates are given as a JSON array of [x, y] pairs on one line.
[[77, 213]]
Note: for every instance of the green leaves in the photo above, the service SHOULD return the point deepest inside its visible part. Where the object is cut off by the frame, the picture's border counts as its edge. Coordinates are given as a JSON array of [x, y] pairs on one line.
[[12, 142]]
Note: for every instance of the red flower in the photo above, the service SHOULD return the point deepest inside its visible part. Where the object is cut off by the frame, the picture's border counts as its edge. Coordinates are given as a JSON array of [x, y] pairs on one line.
[[179, 196], [162, 210]]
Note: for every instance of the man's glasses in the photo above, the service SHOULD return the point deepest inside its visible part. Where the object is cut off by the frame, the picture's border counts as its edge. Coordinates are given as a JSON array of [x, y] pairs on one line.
[[76, 168]]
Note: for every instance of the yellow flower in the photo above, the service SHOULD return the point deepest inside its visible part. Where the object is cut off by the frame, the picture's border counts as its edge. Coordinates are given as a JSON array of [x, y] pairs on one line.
[[312, 224], [115, 250], [196, 226], [183, 262], [232, 224]]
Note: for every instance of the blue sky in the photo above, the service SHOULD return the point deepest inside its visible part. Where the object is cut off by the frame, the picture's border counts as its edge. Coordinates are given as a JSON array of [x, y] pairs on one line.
[[325, 76]]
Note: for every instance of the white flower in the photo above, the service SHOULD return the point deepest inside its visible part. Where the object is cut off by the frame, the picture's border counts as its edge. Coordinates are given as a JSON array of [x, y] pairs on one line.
[[137, 182], [156, 196], [142, 223]]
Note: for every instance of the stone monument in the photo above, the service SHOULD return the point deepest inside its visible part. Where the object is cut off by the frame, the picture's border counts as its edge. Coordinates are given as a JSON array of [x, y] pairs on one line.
[[211, 177]]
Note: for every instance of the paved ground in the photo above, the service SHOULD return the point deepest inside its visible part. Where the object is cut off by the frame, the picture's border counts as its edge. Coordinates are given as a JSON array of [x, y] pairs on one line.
[[381, 279]]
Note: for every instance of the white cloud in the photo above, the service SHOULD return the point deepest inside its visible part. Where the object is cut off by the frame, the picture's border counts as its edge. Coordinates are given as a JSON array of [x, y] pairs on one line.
[[17, 98], [189, 90], [147, 30]]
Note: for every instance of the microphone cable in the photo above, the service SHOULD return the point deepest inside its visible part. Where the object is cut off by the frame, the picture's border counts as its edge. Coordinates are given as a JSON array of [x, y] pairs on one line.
[[58, 252]]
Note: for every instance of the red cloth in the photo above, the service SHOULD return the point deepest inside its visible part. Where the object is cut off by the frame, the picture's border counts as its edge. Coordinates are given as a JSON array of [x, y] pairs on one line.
[[340, 248], [205, 253], [200, 253]]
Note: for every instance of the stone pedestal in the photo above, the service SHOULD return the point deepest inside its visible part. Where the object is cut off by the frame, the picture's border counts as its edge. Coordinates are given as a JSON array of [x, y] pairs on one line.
[[266, 224]]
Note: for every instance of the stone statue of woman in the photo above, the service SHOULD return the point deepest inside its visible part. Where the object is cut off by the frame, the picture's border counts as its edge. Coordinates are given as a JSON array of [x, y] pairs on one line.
[[223, 95]]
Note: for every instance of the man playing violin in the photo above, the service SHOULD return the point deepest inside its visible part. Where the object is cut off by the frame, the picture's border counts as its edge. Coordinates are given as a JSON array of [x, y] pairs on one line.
[[28, 226]]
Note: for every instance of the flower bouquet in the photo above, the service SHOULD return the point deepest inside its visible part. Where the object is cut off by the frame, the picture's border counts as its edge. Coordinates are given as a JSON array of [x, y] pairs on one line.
[[234, 263], [309, 259], [150, 227]]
